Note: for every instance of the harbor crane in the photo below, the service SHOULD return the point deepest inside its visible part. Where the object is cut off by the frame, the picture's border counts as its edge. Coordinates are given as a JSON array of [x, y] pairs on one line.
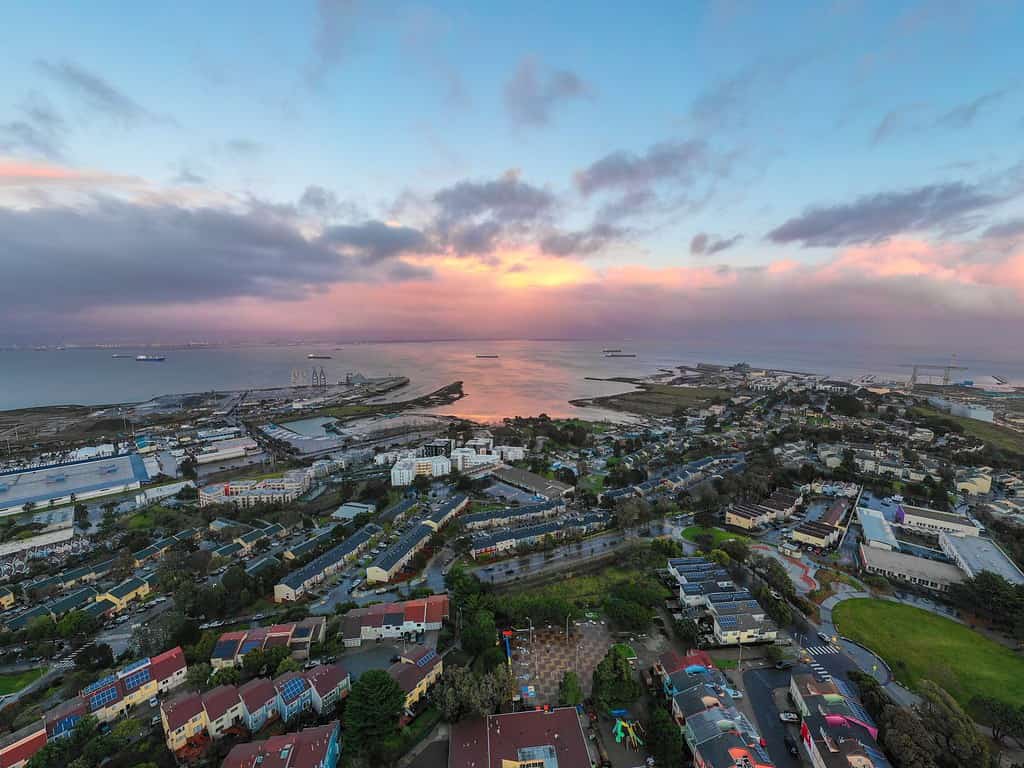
[[918, 369]]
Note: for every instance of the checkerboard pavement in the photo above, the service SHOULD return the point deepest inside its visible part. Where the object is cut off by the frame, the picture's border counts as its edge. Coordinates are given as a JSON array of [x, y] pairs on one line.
[[551, 656]]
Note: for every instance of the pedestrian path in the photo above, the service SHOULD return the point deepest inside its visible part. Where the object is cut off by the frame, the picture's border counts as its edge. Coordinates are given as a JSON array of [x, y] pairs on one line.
[[820, 671], [821, 650]]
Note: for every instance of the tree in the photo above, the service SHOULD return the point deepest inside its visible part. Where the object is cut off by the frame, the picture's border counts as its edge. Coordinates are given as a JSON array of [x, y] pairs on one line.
[[421, 483], [949, 724], [613, 683], [460, 693], [188, 468], [75, 623], [664, 739], [688, 633], [773, 653], [1002, 717], [288, 664], [737, 549], [372, 711], [479, 632], [569, 691], [198, 675], [95, 657], [225, 676]]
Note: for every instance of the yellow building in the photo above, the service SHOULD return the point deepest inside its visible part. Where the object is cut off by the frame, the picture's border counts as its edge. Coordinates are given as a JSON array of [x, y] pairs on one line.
[[6, 598], [416, 673], [124, 593], [183, 717]]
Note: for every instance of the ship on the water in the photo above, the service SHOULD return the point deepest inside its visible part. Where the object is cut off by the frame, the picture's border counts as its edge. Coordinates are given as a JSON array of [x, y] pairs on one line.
[[312, 356], [118, 356], [149, 358], [610, 351], [488, 357], [620, 354]]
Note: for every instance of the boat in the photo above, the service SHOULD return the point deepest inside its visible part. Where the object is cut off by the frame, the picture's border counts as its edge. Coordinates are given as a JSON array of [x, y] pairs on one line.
[[488, 357], [311, 356], [620, 354], [149, 358], [119, 356], [608, 351]]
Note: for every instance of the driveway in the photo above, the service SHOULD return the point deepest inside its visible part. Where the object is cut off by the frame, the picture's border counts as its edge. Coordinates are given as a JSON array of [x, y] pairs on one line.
[[763, 689]]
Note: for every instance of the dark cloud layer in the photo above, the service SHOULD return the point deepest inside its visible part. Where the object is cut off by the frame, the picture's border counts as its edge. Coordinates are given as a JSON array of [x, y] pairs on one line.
[[114, 252], [583, 242], [680, 161], [375, 241], [474, 216], [873, 218], [704, 244], [533, 93], [1012, 228], [95, 92], [39, 131]]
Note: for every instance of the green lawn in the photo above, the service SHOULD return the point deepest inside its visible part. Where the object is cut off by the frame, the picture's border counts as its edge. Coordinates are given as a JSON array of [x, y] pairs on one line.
[[725, 663], [592, 483], [15, 682], [919, 645], [691, 534], [140, 521], [995, 435]]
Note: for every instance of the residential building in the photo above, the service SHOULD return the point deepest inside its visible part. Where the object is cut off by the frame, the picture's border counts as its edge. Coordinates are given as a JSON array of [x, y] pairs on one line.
[[6, 598], [112, 696], [552, 738], [294, 694], [415, 673], [296, 584], [259, 700], [392, 560], [350, 509], [182, 717], [248, 493], [394, 620], [224, 710], [512, 515], [298, 637], [18, 747], [317, 747], [124, 593], [447, 511], [816, 534], [835, 730], [404, 471]]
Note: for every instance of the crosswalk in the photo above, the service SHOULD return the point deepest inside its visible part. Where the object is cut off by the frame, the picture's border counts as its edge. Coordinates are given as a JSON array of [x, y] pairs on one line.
[[819, 671], [821, 650]]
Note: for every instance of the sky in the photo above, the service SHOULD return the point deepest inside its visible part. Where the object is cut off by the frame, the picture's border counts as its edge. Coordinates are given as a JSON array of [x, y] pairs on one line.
[[827, 171]]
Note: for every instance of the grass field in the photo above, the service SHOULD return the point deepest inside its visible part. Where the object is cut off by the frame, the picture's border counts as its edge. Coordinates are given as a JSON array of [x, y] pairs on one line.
[[995, 435], [657, 399], [15, 682], [587, 590], [691, 534], [919, 645]]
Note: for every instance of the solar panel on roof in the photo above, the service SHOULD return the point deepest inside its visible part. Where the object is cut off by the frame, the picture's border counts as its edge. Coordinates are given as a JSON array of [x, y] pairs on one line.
[[225, 649], [250, 645], [133, 666], [292, 688], [98, 684], [728, 622], [136, 679], [103, 698], [427, 658]]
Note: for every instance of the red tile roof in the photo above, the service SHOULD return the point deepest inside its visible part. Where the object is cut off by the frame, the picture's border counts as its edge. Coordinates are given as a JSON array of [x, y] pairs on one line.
[[305, 749], [485, 743], [181, 709], [164, 665], [326, 678], [257, 693], [220, 700]]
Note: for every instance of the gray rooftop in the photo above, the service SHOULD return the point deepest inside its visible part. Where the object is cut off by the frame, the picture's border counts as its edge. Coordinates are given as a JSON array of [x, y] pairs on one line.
[[978, 554]]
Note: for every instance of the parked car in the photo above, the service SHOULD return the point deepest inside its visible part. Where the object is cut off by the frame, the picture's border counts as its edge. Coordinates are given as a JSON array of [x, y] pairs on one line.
[[154, 702], [825, 638], [789, 717], [784, 665]]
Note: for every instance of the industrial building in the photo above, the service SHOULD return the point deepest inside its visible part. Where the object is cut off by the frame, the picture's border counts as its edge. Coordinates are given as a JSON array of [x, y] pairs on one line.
[[934, 521], [57, 484], [532, 483], [932, 574], [877, 530], [974, 554]]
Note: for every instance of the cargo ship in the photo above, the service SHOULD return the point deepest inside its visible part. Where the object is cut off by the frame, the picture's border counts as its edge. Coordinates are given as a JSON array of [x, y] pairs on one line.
[[118, 356], [610, 351], [150, 358], [312, 356], [620, 354], [487, 357]]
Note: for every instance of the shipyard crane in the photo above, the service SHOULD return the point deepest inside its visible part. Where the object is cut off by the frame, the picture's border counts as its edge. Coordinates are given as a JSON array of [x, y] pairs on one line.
[[918, 368]]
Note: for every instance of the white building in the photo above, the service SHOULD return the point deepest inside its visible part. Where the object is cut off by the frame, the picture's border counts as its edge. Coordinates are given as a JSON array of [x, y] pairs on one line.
[[408, 469], [464, 459], [510, 452], [247, 493]]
